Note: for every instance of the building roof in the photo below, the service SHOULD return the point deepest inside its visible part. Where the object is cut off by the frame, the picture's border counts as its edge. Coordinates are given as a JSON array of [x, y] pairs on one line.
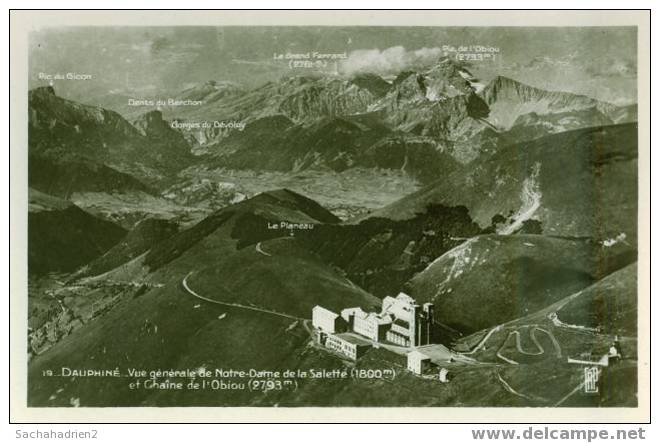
[[379, 318], [415, 354], [437, 352], [405, 298], [383, 319], [325, 311], [353, 339], [354, 311]]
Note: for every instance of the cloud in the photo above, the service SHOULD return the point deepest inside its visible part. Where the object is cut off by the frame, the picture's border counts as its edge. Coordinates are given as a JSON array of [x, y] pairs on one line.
[[545, 62], [590, 66], [613, 68], [390, 60]]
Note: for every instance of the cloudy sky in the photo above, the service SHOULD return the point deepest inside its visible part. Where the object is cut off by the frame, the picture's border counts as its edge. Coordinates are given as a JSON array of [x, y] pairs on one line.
[[600, 62]]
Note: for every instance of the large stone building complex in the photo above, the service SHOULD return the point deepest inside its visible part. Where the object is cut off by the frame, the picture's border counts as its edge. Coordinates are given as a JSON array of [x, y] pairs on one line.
[[402, 321]]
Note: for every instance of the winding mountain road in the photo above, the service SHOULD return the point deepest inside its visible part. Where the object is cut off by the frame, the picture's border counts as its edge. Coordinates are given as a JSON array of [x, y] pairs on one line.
[[509, 389], [483, 341], [554, 318], [257, 248], [539, 349], [569, 395], [185, 285]]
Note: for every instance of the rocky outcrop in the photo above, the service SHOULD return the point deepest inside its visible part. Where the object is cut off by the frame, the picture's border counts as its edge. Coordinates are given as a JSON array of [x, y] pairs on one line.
[[212, 91], [510, 99], [372, 83], [105, 137], [308, 99], [440, 103], [53, 114], [151, 124]]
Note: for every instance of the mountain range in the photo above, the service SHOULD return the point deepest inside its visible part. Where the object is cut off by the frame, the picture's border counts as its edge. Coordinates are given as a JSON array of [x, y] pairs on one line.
[[152, 246]]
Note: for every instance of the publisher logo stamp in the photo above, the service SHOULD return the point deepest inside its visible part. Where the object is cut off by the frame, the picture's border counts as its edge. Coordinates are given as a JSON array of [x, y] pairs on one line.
[[591, 380]]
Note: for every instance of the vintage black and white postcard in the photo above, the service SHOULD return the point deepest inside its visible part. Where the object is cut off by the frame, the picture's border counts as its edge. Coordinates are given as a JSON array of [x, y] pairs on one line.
[[408, 215]]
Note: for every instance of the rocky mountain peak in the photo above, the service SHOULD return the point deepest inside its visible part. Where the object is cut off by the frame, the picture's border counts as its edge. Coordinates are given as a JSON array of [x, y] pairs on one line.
[[308, 97], [42, 91], [502, 87], [151, 117], [502, 81], [211, 91], [151, 123], [510, 99], [371, 82]]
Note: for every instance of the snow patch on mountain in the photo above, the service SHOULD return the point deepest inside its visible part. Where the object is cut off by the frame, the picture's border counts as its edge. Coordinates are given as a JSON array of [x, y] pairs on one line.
[[608, 243], [476, 85]]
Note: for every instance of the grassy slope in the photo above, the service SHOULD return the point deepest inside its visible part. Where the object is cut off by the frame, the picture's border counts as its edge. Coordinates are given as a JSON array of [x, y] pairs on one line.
[[288, 270], [62, 236], [167, 328], [62, 173], [163, 328], [587, 181], [190, 337], [146, 233], [550, 378], [610, 305], [381, 255], [492, 279], [273, 206]]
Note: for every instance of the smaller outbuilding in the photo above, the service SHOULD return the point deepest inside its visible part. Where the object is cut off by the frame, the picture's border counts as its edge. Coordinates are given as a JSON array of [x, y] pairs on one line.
[[328, 321], [418, 362]]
